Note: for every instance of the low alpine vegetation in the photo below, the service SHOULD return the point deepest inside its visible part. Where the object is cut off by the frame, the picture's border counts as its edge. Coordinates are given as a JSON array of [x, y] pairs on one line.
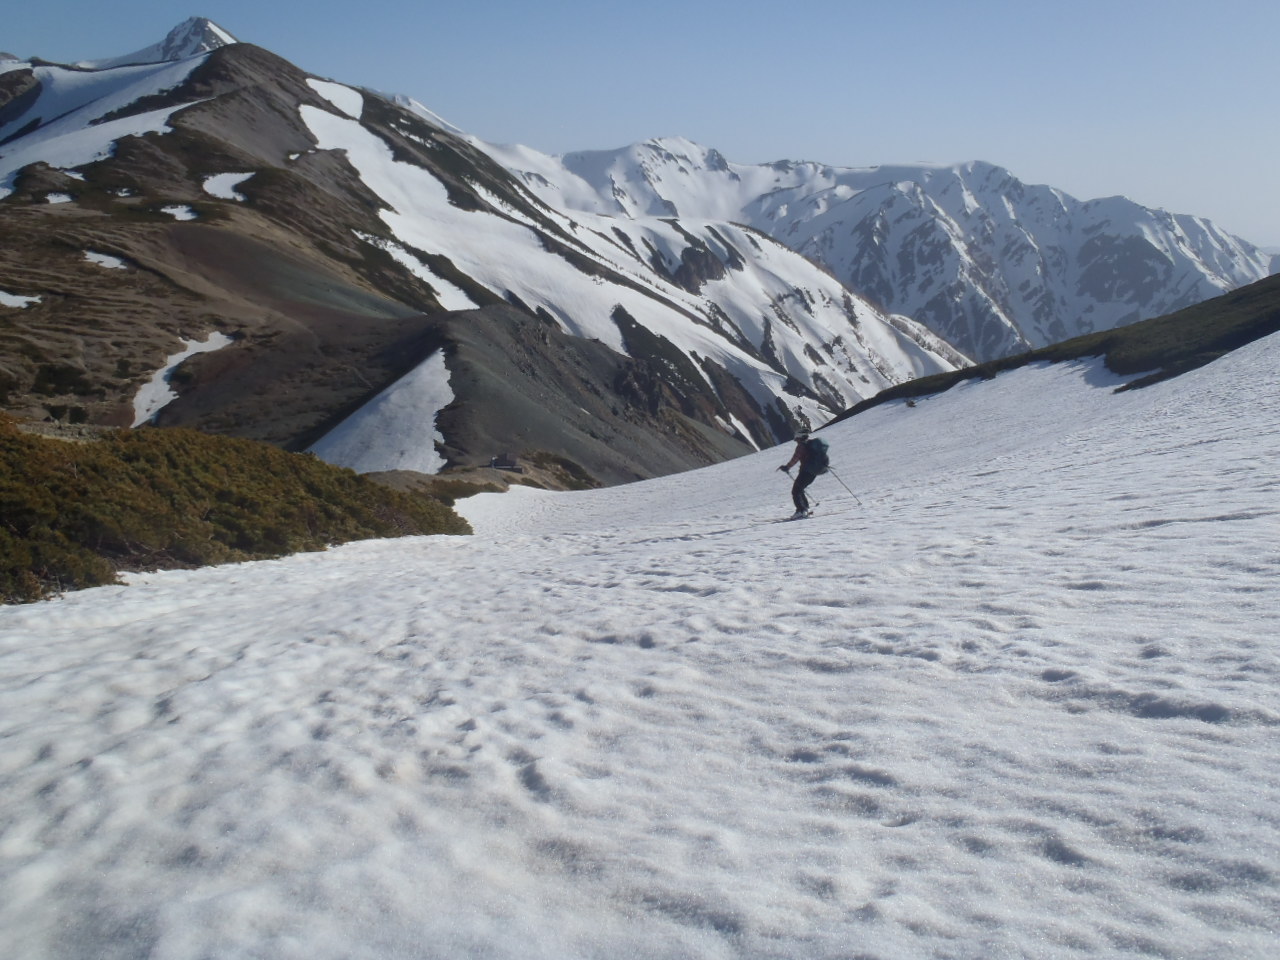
[[74, 514]]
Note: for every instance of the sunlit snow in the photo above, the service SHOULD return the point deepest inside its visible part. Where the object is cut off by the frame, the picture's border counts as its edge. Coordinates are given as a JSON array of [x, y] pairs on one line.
[[156, 394], [223, 185], [180, 211], [823, 212], [449, 295], [349, 101], [72, 106], [105, 260], [16, 300], [505, 255], [1024, 702], [396, 430]]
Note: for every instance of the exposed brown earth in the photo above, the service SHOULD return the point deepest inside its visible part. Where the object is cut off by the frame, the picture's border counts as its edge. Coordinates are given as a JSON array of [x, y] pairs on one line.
[[322, 321]]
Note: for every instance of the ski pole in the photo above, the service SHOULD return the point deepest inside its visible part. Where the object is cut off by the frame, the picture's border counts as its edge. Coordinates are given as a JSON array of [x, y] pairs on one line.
[[845, 485], [813, 501]]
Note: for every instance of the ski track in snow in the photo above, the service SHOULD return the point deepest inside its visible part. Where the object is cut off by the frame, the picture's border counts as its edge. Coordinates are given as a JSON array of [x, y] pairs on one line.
[[1023, 703]]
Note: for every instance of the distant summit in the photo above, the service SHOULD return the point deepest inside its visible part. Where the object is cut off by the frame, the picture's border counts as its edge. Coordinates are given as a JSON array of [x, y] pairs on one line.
[[190, 38], [992, 265]]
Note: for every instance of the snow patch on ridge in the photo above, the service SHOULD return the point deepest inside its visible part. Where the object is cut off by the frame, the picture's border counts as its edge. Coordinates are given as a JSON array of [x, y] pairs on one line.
[[155, 395], [491, 249], [223, 185], [16, 300], [718, 292], [69, 106], [451, 297], [396, 429], [349, 101], [192, 37], [105, 260]]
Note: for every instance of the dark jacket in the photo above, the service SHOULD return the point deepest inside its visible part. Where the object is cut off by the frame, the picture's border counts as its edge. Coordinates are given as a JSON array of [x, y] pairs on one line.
[[801, 456]]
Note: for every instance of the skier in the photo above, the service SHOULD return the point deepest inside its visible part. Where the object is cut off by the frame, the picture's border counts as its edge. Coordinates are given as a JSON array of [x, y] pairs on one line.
[[812, 457]]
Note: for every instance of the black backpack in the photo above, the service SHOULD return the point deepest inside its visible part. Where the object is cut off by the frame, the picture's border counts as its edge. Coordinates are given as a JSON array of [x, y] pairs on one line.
[[818, 461]]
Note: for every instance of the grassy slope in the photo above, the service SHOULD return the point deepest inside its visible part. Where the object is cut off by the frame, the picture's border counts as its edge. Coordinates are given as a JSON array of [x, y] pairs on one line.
[[1162, 347], [73, 514]]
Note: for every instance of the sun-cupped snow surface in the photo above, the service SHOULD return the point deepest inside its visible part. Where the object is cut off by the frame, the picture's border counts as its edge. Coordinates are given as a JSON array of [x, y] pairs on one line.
[[71, 106], [156, 394], [1023, 701], [396, 430]]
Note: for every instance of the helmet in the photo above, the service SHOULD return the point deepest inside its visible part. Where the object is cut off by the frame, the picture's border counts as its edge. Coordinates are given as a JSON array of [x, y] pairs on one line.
[[802, 435]]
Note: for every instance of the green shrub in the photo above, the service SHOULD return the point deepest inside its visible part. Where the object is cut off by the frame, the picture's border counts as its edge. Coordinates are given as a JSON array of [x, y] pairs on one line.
[[570, 475], [73, 514]]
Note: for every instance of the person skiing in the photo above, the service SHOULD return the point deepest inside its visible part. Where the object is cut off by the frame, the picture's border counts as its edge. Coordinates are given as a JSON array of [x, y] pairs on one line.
[[806, 456]]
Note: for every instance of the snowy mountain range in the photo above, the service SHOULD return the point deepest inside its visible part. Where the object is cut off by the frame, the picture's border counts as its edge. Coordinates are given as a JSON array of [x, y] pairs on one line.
[[208, 236], [371, 272], [991, 264]]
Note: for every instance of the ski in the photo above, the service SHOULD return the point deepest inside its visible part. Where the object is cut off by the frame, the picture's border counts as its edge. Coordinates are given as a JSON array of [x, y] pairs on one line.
[[791, 518]]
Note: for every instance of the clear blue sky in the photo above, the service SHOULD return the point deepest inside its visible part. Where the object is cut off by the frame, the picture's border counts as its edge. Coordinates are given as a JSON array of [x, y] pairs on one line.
[[1170, 102]]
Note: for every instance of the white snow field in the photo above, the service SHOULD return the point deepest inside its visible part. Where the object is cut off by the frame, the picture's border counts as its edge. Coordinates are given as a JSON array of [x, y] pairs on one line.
[[396, 430], [74, 107], [1024, 702]]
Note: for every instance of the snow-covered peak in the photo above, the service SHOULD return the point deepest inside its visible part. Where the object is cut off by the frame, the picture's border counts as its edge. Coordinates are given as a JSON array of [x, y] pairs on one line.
[[990, 263], [190, 38]]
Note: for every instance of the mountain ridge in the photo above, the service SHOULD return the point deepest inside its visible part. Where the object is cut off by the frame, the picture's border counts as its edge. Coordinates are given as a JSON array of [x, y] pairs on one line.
[[333, 237], [337, 239], [991, 264]]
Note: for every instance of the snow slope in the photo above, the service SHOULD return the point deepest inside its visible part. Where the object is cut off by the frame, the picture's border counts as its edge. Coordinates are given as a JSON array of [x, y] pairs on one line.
[[766, 315], [1025, 702], [73, 115], [403, 435]]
